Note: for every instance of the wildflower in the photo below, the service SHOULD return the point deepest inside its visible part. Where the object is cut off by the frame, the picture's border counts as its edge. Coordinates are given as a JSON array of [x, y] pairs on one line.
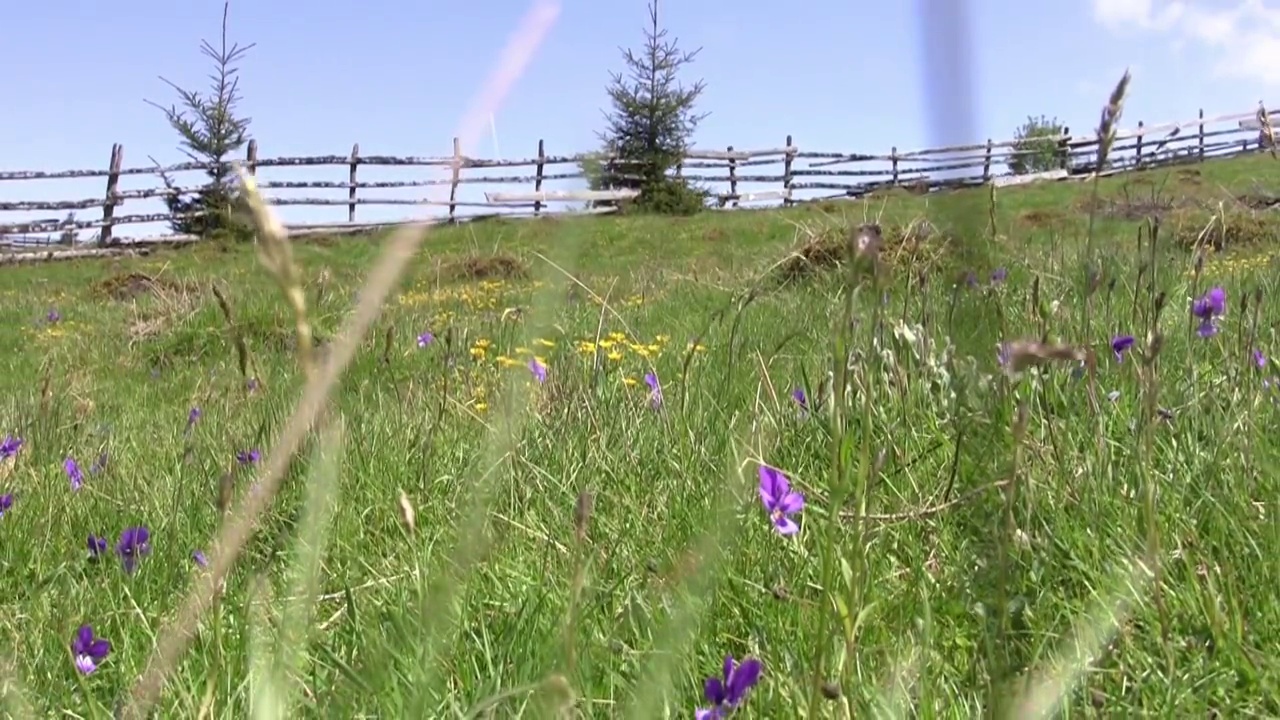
[[971, 279], [248, 457], [53, 316], [6, 502], [10, 447], [1208, 307], [999, 275], [100, 464], [88, 650], [193, 417], [1002, 354], [252, 384], [1120, 344], [727, 692], [97, 547], [802, 400], [1259, 359], [538, 369], [134, 543], [74, 474], [1114, 395], [199, 558], [779, 500], [425, 339], [655, 389]]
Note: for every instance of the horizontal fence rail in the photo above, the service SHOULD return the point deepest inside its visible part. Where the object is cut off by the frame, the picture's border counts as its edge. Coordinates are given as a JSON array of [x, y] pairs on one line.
[[786, 174]]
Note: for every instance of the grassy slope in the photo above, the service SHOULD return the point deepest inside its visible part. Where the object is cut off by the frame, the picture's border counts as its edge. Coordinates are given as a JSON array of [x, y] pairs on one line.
[[681, 566]]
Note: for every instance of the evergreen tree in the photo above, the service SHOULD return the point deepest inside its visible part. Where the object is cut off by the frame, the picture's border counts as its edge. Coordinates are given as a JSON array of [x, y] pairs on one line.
[[210, 131], [651, 123]]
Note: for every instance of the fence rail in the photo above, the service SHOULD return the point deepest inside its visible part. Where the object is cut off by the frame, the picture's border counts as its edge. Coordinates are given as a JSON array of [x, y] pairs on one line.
[[733, 177]]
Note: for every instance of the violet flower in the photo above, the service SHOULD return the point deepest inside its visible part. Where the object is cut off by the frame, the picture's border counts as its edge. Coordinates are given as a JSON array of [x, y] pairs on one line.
[[726, 693], [1121, 344], [74, 473], [6, 502], [97, 547], [88, 651], [10, 447], [999, 275], [248, 457], [779, 500], [655, 390], [1208, 308], [801, 399], [134, 543], [425, 339], [538, 369], [199, 558]]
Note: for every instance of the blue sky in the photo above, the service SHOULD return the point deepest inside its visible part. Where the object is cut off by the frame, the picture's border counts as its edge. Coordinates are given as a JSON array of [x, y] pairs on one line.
[[396, 76]]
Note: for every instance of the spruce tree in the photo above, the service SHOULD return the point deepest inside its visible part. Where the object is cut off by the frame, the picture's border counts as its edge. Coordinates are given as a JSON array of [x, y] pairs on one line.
[[651, 122], [210, 131]]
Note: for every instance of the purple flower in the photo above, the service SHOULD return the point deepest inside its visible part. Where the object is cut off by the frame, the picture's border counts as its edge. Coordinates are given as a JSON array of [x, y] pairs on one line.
[[248, 457], [1002, 354], [6, 502], [1120, 344], [10, 447], [193, 417], [53, 316], [779, 501], [998, 275], [971, 279], [725, 693], [252, 384], [200, 559], [88, 650], [97, 547], [1208, 308], [425, 339], [100, 464], [1259, 359], [134, 543], [655, 389], [802, 400], [74, 474], [538, 369]]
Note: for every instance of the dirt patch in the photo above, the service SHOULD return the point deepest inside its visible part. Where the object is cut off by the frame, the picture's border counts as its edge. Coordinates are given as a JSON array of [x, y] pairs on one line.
[[1258, 201], [714, 234], [131, 286], [488, 267], [1043, 217], [1238, 226], [915, 246]]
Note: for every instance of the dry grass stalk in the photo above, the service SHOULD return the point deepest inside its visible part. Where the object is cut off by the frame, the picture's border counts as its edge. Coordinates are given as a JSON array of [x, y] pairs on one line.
[[1268, 132], [1110, 119], [401, 247]]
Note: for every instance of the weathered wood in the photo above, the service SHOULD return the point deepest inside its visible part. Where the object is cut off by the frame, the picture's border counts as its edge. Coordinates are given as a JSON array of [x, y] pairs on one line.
[[733, 179], [251, 158], [351, 181], [454, 166], [537, 183], [31, 257], [786, 175], [113, 183], [562, 196]]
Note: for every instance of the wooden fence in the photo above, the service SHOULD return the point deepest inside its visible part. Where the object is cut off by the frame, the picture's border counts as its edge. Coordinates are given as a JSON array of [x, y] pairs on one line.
[[785, 175]]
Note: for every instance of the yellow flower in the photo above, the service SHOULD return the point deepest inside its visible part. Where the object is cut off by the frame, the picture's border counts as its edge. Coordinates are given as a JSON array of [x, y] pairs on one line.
[[482, 343], [662, 338], [545, 343], [586, 347], [615, 356], [618, 336], [507, 362], [477, 352], [481, 406], [522, 350], [629, 381]]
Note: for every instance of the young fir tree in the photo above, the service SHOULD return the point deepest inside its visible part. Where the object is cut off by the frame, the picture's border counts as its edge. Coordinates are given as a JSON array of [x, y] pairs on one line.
[[651, 123], [210, 131]]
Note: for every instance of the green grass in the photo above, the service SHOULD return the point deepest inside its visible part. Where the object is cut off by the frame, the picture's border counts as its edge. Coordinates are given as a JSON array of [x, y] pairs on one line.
[[984, 546]]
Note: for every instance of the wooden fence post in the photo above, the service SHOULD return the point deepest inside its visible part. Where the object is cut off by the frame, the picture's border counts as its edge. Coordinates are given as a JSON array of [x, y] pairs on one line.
[[786, 174], [110, 201], [537, 179], [986, 164], [733, 179], [453, 185], [1137, 162], [351, 182], [251, 158], [1200, 147], [893, 158]]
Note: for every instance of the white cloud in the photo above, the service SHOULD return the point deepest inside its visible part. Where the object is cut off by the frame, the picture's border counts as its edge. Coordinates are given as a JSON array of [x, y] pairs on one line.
[[1242, 39]]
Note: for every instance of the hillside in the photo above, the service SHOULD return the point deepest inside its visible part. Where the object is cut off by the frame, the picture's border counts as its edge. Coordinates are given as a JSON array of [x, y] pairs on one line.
[[586, 420]]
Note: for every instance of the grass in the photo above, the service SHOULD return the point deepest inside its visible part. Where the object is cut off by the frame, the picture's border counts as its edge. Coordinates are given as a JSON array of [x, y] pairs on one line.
[[973, 542]]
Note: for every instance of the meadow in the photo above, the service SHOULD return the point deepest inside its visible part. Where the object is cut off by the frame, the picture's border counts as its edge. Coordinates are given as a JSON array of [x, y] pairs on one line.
[[1032, 484]]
